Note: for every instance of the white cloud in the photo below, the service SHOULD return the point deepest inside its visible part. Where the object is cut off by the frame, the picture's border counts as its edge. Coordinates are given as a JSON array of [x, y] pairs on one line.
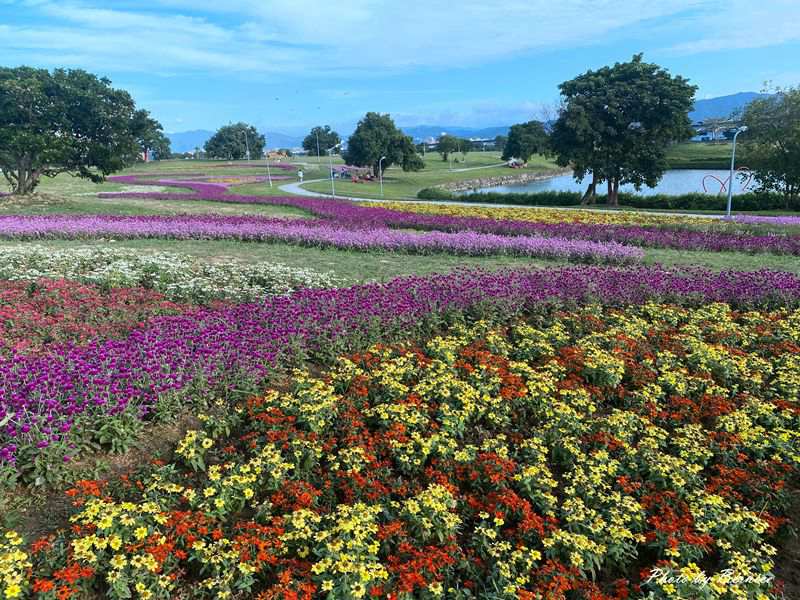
[[313, 37], [736, 24]]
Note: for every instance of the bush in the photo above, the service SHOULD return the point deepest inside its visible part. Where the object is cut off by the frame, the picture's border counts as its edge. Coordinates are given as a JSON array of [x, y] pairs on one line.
[[697, 201], [435, 194]]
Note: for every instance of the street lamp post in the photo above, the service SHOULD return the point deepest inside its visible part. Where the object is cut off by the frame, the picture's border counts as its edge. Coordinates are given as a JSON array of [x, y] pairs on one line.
[[741, 129], [380, 172], [246, 146], [330, 164], [269, 175]]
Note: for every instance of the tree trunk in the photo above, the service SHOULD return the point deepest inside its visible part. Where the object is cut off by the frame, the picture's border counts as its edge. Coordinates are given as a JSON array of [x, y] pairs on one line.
[[590, 197], [26, 183], [613, 191]]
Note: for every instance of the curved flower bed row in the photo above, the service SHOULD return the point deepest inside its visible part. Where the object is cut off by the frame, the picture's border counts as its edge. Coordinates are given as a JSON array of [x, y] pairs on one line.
[[39, 313], [232, 348], [314, 233], [180, 278], [400, 215], [645, 453]]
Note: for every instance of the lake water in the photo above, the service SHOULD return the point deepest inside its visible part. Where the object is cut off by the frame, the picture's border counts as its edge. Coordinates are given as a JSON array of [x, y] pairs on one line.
[[683, 181]]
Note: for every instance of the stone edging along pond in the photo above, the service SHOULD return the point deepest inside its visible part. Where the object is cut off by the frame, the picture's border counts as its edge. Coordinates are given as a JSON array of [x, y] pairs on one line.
[[485, 182]]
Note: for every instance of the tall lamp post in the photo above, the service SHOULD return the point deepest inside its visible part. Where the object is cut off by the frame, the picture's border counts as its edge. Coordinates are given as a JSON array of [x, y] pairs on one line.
[[380, 172], [246, 146], [319, 158], [330, 164], [269, 175], [741, 129]]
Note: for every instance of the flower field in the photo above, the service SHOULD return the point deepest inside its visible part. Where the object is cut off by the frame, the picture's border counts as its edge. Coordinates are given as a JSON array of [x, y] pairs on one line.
[[566, 455], [203, 423], [178, 277], [47, 312], [315, 233], [654, 231]]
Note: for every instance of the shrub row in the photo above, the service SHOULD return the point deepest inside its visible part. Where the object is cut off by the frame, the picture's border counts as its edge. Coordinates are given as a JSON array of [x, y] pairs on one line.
[[697, 201]]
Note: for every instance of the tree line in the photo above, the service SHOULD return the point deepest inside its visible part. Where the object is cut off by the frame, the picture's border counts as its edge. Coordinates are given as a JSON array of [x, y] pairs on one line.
[[613, 128]]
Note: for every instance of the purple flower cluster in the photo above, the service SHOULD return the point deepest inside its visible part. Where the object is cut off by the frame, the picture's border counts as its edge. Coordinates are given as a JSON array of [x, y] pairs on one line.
[[759, 220], [315, 233], [212, 350], [351, 214]]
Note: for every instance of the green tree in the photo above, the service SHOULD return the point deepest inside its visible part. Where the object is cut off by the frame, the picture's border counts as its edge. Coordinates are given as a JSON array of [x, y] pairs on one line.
[[617, 122], [327, 137], [377, 136], [450, 144], [150, 135], [772, 143], [67, 121], [447, 145], [500, 142], [525, 140], [162, 149], [231, 142]]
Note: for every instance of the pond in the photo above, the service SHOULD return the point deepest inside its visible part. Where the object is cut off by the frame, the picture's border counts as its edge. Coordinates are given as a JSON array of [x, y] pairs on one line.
[[675, 182]]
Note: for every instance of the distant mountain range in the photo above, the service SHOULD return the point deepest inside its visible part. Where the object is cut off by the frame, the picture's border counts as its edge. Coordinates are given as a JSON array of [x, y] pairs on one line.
[[723, 106], [423, 132], [709, 108]]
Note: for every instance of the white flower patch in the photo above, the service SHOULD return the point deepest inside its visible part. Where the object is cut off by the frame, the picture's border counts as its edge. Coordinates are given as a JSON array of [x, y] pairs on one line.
[[179, 277]]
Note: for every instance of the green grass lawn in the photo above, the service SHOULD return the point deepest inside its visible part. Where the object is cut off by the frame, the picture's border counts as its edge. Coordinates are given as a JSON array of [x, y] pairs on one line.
[[401, 185], [699, 155]]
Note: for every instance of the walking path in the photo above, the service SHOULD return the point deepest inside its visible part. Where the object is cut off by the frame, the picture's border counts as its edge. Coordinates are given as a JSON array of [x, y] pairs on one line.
[[297, 189]]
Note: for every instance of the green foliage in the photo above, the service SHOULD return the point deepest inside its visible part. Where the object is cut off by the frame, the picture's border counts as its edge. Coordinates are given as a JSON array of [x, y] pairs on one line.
[[616, 122], [377, 136], [746, 202], [435, 193], [525, 140], [150, 135], [67, 121], [500, 142], [231, 142], [772, 143], [320, 138], [450, 144]]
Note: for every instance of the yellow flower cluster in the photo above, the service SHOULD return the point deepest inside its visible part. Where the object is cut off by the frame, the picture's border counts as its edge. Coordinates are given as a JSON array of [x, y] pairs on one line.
[[547, 215], [14, 564]]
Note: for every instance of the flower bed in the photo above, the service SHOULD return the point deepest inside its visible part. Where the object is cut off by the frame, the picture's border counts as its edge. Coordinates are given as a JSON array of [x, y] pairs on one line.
[[42, 313], [227, 350], [179, 277], [712, 237], [314, 233], [643, 452]]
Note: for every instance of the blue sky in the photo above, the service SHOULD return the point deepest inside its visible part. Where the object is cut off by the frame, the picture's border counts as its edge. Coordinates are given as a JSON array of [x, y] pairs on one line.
[[197, 64]]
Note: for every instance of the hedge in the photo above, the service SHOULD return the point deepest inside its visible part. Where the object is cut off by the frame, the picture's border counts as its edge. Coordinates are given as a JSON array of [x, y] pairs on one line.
[[696, 201]]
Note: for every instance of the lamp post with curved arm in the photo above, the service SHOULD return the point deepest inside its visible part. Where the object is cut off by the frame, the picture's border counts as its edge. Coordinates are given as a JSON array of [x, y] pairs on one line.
[[741, 129], [330, 164], [380, 172]]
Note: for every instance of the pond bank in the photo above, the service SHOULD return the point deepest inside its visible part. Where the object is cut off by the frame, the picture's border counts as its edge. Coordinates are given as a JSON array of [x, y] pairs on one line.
[[511, 179]]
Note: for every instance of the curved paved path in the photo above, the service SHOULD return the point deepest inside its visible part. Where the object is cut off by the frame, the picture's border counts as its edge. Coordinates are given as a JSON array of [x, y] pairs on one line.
[[297, 189]]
